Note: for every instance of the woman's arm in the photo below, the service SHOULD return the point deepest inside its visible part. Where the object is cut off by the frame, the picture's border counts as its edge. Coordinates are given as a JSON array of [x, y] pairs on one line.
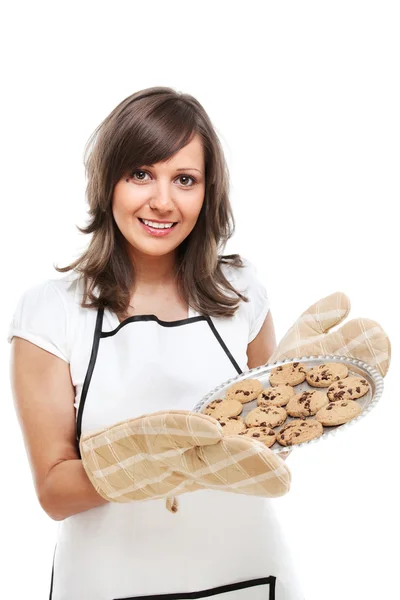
[[263, 345], [44, 400]]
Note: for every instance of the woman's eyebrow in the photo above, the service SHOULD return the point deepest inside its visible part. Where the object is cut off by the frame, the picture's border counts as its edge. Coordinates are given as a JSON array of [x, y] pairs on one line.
[[181, 169]]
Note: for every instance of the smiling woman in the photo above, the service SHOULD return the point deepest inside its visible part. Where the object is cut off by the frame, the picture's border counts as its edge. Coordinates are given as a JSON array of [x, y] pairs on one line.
[[151, 319]]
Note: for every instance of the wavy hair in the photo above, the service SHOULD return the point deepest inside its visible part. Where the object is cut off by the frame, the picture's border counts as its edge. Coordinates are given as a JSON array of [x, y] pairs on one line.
[[150, 126]]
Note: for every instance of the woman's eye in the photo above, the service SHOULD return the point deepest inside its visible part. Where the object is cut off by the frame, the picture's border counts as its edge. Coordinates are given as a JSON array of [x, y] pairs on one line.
[[134, 173], [184, 178], [187, 177]]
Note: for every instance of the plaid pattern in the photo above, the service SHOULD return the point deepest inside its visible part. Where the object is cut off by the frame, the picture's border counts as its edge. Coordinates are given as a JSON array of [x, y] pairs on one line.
[[165, 454], [362, 339]]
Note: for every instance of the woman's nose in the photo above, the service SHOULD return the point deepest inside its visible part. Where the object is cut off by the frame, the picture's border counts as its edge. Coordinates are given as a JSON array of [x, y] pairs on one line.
[[162, 198]]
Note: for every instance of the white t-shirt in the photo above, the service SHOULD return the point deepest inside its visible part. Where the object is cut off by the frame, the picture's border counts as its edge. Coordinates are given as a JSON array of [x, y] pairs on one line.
[[49, 315]]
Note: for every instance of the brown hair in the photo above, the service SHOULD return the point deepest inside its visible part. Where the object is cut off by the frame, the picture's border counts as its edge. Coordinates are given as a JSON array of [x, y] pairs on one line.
[[147, 127]]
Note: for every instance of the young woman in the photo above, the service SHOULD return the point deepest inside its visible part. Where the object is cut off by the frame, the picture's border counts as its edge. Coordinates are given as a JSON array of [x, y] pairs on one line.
[[151, 317]]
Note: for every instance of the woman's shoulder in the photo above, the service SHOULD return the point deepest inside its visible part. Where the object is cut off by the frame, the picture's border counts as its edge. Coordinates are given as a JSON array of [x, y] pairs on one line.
[[239, 270], [45, 312]]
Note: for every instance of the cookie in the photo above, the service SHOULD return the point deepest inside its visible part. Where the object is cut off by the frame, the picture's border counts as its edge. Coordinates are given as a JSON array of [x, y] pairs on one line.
[[263, 434], [244, 391], [337, 413], [325, 374], [222, 409], [348, 389], [279, 395], [266, 416], [306, 403], [291, 373], [297, 432], [232, 425]]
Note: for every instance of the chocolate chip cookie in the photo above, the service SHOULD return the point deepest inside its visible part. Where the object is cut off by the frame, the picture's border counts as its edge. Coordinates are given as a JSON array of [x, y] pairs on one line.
[[324, 375], [291, 373], [222, 409], [297, 432], [244, 391], [348, 389], [232, 425], [263, 434], [266, 416], [278, 395], [306, 403], [337, 413]]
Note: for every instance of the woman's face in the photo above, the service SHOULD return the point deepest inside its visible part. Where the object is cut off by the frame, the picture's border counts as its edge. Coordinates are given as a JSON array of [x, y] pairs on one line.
[[167, 192]]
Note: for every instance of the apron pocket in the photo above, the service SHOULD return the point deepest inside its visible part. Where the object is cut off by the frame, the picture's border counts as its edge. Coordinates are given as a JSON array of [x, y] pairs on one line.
[[237, 591]]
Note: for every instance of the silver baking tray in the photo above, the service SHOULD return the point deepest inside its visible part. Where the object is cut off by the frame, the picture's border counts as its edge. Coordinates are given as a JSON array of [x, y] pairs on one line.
[[356, 368]]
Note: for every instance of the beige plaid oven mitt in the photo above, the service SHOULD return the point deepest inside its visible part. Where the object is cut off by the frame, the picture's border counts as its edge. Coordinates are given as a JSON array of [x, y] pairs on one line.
[[362, 339], [310, 335], [164, 454]]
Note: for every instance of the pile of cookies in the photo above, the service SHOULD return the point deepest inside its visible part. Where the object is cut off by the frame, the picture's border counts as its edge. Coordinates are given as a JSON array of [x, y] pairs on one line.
[[335, 407]]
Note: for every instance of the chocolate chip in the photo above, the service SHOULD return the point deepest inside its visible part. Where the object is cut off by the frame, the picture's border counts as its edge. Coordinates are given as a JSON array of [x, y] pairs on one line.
[[317, 379], [358, 390], [271, 433], [256, 435], [363, 381], [295, 364]]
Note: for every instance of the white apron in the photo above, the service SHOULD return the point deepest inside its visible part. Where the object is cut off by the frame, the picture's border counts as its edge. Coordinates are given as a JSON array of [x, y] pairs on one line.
[[218, 544]]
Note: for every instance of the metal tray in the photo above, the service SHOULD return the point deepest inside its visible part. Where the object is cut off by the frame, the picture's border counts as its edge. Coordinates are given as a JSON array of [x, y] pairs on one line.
[[356, 368]]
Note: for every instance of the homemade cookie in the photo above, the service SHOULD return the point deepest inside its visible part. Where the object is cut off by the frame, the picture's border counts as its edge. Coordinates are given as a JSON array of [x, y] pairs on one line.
[[337, 413], [263, 434], [245, 390], [348, 389], [222, 409], [306, 403], [278, 395], [325, 374], [266, 416], [297, 432], [291, 373], [232, 425]]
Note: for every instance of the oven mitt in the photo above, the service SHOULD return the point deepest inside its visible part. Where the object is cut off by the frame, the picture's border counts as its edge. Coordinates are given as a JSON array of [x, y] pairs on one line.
[[310, 335], [167, 453]]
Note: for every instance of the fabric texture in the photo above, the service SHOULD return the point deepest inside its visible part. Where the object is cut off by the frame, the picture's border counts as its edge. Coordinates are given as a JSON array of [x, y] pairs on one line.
[[310, 335], [165, 454]]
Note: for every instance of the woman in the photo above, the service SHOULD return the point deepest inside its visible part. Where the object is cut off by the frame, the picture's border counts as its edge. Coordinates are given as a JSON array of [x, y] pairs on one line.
[[149, 318]]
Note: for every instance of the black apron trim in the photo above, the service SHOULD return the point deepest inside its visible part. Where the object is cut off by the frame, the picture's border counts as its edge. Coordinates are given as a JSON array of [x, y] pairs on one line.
[[88, 377], [224, 346], [136, 318], [213, 591], [52, 575]]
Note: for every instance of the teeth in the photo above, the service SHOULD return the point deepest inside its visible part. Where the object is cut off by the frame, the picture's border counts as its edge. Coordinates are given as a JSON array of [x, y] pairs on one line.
[[157, 225]]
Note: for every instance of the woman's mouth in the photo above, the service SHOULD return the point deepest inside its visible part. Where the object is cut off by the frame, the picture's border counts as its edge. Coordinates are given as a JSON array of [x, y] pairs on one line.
[[157, 229]]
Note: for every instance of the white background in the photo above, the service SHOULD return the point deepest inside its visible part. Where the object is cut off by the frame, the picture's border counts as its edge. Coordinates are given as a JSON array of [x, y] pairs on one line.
[[305, 98]]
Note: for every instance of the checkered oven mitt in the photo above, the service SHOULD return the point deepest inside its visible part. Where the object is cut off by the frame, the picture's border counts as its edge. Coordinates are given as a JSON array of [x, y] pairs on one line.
[[164, 454], [310, 335]]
